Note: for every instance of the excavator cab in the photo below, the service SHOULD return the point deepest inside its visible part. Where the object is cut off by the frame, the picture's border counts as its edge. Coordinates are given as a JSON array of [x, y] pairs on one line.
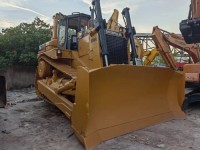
[[190, 28]]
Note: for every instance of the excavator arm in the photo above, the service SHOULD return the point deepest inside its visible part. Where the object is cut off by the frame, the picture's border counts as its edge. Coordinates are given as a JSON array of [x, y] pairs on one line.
[[150, 55], [163, 48], [164, 40], [113, 21]]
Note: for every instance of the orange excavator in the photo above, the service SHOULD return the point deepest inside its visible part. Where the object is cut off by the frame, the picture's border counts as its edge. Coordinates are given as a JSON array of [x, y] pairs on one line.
[[163, 41], [190, 27]]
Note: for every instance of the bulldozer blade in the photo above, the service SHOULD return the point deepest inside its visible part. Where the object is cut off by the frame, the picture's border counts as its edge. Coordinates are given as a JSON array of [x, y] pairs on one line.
[[3, 99], [119, 99]]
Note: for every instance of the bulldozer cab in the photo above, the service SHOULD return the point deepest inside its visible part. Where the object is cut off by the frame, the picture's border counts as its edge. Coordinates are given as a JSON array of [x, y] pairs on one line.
[[68, 29]]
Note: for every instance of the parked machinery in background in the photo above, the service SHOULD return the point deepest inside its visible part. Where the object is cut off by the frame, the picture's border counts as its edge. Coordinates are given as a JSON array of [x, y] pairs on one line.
[[3, 99], [163, 40], [190, 28]]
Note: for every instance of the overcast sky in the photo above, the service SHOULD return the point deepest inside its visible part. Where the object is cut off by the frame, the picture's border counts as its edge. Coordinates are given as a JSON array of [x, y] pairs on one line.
[[144, 13]]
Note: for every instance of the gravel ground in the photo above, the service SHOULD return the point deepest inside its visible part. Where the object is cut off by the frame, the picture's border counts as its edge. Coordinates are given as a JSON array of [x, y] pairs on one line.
[[29, 123]]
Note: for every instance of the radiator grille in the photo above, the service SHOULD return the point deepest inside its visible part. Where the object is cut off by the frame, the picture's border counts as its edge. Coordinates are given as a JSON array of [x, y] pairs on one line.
[[117, 48]]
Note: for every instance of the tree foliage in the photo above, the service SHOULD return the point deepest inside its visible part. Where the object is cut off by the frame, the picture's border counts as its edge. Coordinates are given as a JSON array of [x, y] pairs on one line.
[[19, 45]]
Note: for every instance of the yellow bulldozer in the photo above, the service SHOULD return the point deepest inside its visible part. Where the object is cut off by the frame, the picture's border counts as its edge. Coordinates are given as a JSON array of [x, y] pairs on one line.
[[94, 76]]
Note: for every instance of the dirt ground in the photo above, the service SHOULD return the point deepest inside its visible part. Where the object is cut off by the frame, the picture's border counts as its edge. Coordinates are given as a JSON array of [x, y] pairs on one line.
[[29, 123]]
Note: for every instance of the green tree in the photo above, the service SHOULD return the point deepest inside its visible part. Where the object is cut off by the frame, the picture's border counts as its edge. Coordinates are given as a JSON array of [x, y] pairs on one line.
[[19, 45]]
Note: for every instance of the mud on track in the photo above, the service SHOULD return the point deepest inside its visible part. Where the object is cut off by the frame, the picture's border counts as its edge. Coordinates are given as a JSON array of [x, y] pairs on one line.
[[29, 123]]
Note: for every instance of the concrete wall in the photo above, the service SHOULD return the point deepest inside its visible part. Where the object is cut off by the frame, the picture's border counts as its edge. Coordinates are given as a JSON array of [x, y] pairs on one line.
[[19, 77]]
